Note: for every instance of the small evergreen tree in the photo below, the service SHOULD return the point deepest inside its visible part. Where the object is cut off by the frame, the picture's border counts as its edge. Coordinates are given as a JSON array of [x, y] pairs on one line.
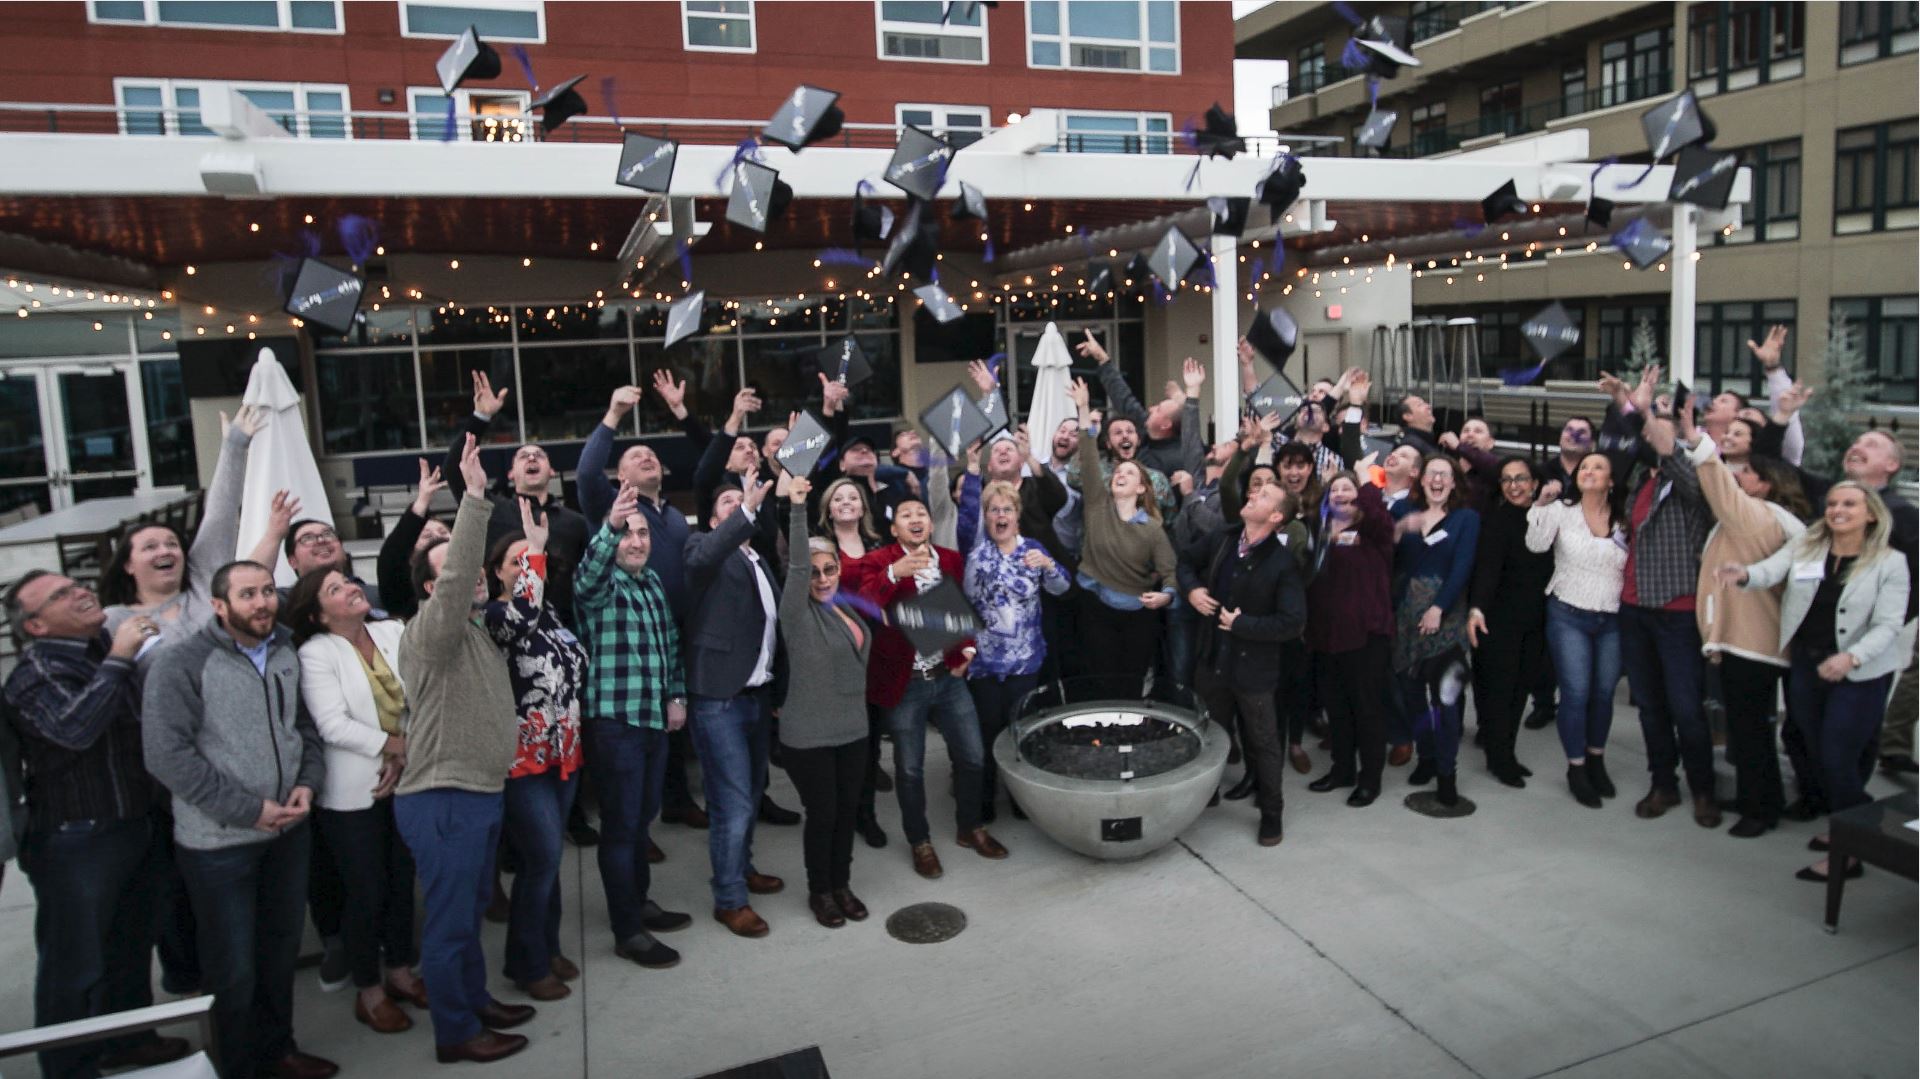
[[1642, 351], [1827, 421]]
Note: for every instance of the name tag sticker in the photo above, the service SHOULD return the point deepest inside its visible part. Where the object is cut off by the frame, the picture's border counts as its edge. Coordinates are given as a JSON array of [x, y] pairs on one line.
[[1283, 539], [1346, 539], [1436, 537], [1810, 571]]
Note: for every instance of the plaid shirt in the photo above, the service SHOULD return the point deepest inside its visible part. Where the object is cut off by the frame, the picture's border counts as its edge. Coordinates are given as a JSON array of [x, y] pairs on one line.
[[629, 633], [1666, 546]]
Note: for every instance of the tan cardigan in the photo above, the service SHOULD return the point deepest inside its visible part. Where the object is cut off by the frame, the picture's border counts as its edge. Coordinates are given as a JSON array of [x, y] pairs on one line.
[[1735, 620], [1126, 557]]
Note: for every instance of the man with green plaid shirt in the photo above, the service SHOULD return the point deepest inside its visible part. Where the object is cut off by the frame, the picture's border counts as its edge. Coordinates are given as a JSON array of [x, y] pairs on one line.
[[636, 693]]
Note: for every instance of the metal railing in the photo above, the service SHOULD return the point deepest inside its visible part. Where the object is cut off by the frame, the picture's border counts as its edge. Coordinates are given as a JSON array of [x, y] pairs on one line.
[[1510, 122]]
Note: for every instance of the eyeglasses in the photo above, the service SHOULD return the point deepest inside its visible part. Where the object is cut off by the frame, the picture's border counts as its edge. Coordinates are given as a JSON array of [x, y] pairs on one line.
[[1003, 511], [1515, 481], [60, 595], [318, 535], [821, 573]]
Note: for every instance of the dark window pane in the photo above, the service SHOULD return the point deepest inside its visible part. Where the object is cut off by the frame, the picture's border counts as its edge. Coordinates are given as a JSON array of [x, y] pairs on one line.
[[567, 388], [708, 368], [313, 14], [169, 424], [120, 10], [573, 322], [367, 402], [221, 12], [453, 21], [99, 425], [446, 379]]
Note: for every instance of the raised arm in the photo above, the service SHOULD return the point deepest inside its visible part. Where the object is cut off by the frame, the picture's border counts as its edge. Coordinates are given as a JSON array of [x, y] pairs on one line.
[[1121, 403], [1543, 526], [72, 716], [486, 405], [796, 595], [443, 615], [218, 540], [596, 491]]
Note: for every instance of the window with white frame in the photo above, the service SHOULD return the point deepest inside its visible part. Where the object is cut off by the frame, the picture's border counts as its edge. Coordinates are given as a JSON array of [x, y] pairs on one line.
[[717, 25], [932, 30], [1105, 35], [172, 106], [300, 16], [1119, 132], [481, 115], [496, 20], [961, 125]]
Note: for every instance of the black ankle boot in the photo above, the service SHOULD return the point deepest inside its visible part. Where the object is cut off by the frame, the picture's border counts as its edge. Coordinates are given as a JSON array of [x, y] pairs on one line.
[[1597, 775], [1507, 772], [1423, 773], [1448, 793], [1580, 782], [1332, 781], [1243, 789]]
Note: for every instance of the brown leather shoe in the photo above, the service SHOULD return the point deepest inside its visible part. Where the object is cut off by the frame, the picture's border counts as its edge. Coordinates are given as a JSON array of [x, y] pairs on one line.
[[408, 989], [742, 921], [564, 968], [384, 1017], [483, 1048], [547, 988], [298, 1065], [982, 843], [850, 905], [498, 1016], [1299, 759], [1706, 811], [1398, 756], [1656, 803], [692, 817], [147, 1054], [654, 854], [926, 862], [762, 884], [825, 910]]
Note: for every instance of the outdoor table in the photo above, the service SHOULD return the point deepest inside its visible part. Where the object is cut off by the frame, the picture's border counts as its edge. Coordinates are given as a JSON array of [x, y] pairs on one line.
[[34, 544], [1878, 835]]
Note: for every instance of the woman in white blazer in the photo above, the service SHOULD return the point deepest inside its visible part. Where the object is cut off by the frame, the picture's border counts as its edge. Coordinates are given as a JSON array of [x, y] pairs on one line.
[[1846, 595], [350, 683]]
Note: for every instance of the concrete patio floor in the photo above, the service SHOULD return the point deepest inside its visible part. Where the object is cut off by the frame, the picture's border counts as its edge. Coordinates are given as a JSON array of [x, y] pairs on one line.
[[1535, 937]]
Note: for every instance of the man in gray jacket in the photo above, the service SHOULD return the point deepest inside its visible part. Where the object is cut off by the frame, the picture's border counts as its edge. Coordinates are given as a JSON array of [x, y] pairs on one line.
[[225, 732]]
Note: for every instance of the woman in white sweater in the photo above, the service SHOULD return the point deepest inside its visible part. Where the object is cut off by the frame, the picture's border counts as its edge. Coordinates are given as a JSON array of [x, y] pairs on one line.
[[350, 684], [1583, 616]]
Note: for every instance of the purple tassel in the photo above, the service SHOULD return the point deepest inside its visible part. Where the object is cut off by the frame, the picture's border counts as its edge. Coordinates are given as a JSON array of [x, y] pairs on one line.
[[686, 260], [1522, 376], [1373, 91], [993, 364], [860, 604], [606, 94], [988, 254], [526, 66], [1351, 57], [842, 256], [747, 150], [446, 132], [360, 235], [1427, 721], [1346, 12]]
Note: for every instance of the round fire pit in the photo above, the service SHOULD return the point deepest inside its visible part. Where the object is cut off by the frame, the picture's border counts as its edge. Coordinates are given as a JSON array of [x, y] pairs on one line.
[[1110, 778]]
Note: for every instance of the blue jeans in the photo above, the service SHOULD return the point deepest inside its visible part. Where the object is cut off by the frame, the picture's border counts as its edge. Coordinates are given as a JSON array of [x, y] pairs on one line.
[[1839, 720], [1661, 652], [536, 822], [731, 735], [1177, 647], [946, 702], [93, 926], [629, 766], [453, 834], [1585, 646], [249, 907]]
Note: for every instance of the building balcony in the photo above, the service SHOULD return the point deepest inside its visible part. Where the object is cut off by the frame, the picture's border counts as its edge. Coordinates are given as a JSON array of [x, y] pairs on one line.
[[1493, 126]]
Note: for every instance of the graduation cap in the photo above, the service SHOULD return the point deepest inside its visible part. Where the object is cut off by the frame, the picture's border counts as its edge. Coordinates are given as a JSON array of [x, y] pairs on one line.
[[1550, 332], [939, 304], [1101, 279], [1377, 129], [1229, 214], [324, 296], [1282, 186], [1273, 335], [955, 422], [1277, 394], [758, 196], [1218, 135], [871, 220], [1704, 177], [1173, 258], [1379, 40], [847, 362], [1643, 244], [804, 118], [1377, 447], [685, 316], [994, 409], [935, 620], [914, 248], [559, 103], [1137, 270], [1600, 211], [804, 446], [1504, 202], [467, 58], [1674, 123], [919, 163], [971, 205], [646, 163]]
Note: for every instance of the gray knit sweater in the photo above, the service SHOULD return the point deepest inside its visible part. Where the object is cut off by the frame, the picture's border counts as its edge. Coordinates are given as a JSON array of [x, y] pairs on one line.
[[827, 693]]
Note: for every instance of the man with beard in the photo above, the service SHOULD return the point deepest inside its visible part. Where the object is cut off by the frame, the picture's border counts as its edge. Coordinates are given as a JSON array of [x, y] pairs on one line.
[[1576, 441], [1175, 440], [1416, 424]]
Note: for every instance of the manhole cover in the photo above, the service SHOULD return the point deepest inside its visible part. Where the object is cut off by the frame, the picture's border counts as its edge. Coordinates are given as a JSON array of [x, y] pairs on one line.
[[926, 923], [1427, 804]]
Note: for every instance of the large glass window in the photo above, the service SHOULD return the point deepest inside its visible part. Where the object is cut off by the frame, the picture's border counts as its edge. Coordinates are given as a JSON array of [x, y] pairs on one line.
[[1500, 108], [1731, 46], [717, 25], [490, 115], [1573, 88], [509, 20], [1119, 133], [1887, 331], [1871, 29], [931, 30], [169, 424], [367, 402], [1636, 67], [172, 106], [1874, 173], [1774, 213], [567, 387], [301, 16], [1309, 69], [961, 125], [1721, 358], [1105, 35], [1428, 124]]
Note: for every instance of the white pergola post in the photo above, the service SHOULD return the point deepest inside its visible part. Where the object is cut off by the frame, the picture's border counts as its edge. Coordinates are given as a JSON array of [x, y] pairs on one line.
[[1224, 372], [1680, 270]]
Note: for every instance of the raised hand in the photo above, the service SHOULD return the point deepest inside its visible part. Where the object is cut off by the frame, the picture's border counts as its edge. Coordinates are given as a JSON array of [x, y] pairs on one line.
[[1449, 440], [472, 472], [1769, 353], [1791, 400], [754, 494], [1366, 465], [1193, 374], [533, 525], [1091, 349], [620, 403], [910, 563], [672, 394], [1549, 492], [833, 396], [249, 419], [486, 402], [430, 484], [626, 506], [982, 376], [1357, 388], [1037, 559], [280, 518], [745, 403], [132, 634], [1082, 398], [1250, 434], [798, 487], [1025, 441], [1643, 393]]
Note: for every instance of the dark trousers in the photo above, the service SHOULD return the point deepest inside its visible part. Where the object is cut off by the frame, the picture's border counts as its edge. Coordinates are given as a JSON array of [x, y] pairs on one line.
[[326, 892], [1295, 697], [876, 726], [249, 902], [676, 793], [996, 701], [1661, 652], [453, 835], [1751, 693], [629, 766], [1353, 684], [942, 699], [1059, 624], [1118, 646], [376, 878], [179, 942], [1506, 667], [93, 928], [829, 779], [1840, 721], [1436, 723], [1259, 732], [535, 823], [1177, 643]]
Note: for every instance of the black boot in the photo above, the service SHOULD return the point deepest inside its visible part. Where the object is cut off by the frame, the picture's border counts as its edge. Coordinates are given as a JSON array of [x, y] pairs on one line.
[[869, 828], [1448, 792], [1423, 773], [1243, 789], [1332, 781], [1507, 772], [1597, 775], [1580, 782]]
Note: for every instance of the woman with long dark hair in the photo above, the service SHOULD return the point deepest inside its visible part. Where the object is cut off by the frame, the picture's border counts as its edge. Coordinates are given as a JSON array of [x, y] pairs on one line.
[[1508, 617], [1350, 632], [1434, 558]]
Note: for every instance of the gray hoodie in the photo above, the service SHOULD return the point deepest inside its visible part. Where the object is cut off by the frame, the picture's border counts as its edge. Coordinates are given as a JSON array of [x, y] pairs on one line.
[[223, 737]]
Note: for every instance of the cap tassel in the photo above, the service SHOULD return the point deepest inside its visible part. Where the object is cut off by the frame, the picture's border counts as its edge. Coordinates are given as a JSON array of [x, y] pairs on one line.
[[857, 603], [360, 236], [606, 95], [526, 66], [446, 132], [843, 256], [685, 253], [1522, 376], [747, 150]]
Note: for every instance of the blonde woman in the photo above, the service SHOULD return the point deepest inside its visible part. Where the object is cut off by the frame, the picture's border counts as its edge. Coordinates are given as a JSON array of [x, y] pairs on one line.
[[1846, 594]]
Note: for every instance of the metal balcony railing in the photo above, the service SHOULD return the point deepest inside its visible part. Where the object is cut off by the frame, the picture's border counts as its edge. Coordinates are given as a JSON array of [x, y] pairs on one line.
[[1509, 122]]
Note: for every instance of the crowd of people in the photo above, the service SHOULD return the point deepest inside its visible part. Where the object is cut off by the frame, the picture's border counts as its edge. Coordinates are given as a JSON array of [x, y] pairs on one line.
[[210, 759]]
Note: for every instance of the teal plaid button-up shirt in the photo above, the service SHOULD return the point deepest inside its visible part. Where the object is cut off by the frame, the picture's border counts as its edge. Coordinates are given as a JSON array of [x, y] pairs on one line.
[[629, 632]]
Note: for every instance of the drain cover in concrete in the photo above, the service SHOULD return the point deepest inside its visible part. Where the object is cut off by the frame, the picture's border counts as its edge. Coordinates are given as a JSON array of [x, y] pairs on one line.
[[926, 923], [1427, 804]]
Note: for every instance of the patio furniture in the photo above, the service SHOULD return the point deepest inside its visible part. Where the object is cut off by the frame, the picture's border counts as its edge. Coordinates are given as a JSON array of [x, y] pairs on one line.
[[1878, 835]]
